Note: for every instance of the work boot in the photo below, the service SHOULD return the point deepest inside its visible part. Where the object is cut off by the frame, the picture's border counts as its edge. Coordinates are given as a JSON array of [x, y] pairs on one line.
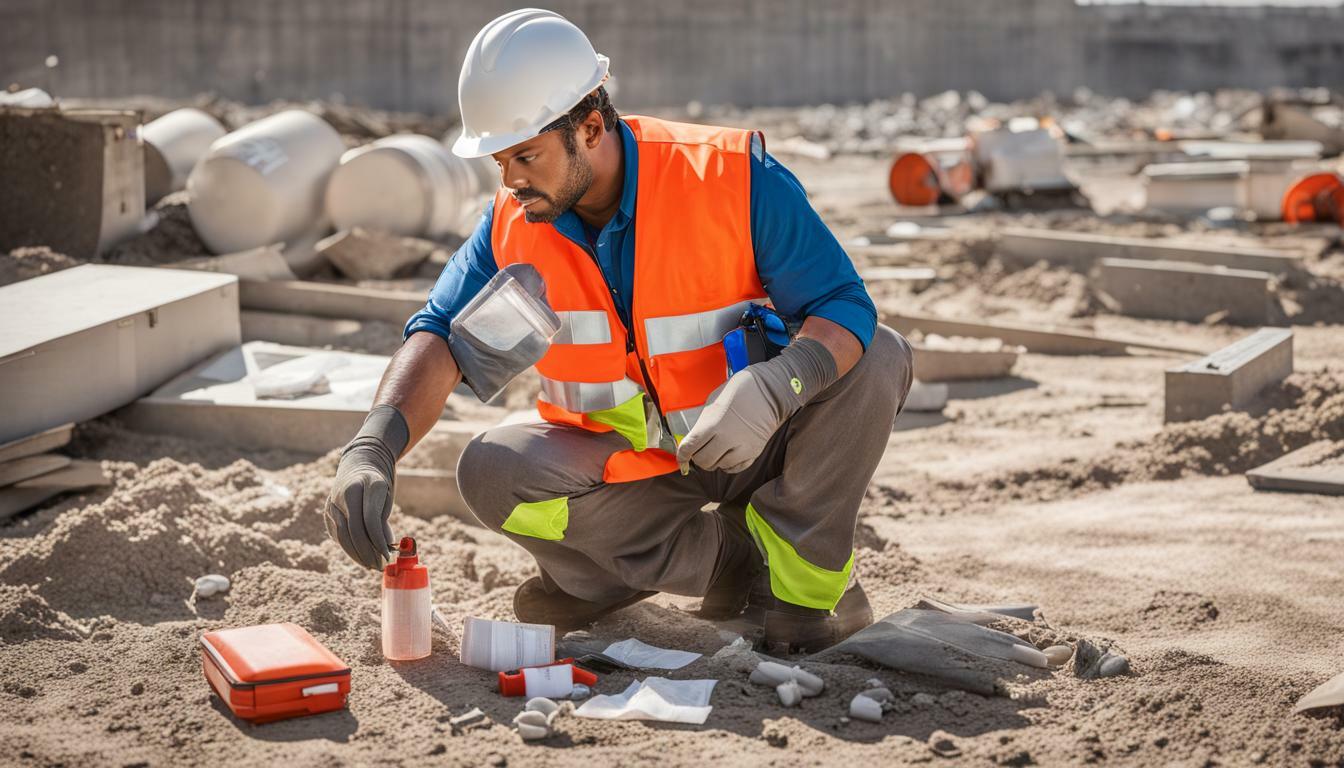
[[735, 574], [793, 628], [533, 603]]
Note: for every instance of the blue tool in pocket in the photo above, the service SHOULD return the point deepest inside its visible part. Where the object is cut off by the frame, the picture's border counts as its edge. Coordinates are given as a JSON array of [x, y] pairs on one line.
[[761, 334]]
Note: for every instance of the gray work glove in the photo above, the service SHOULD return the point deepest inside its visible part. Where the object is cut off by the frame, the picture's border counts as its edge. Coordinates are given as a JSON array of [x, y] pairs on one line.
[[361, 498], [741, 417]]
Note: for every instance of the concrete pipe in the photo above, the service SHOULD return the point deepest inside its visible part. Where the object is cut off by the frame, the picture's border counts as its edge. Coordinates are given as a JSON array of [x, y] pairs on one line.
[[173, 144], [264, 182], [406, 185]]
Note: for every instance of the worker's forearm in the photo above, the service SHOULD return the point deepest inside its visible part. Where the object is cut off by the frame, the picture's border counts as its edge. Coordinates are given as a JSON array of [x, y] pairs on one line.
[[837, 340], [417, 382]]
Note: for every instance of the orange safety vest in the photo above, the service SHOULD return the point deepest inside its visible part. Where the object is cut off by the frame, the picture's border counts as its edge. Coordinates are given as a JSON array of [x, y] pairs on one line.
[[695, 273]]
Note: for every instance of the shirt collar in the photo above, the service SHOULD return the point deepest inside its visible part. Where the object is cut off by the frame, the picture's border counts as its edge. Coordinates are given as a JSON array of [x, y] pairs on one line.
[[630, 153]]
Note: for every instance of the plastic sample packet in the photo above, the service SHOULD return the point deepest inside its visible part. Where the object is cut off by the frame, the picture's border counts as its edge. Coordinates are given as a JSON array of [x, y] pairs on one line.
[[636, 653], [657, 698], [503, 331]]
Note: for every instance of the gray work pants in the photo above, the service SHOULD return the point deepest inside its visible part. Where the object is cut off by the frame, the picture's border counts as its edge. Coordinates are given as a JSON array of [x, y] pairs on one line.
[[541, 485]]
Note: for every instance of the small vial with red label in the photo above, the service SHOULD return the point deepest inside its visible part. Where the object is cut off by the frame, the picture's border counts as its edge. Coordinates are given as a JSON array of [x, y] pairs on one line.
[[406, 605]]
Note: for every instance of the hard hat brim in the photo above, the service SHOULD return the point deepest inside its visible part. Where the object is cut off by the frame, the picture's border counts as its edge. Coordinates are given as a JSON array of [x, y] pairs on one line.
[[482, 146]]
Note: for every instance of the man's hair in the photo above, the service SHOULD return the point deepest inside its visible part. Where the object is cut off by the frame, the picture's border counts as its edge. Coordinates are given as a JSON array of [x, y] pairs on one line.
[[597, 100]]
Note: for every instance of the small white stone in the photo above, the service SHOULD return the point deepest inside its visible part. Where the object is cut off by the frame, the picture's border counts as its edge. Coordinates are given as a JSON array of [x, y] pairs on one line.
[[531, 732], [531, 717], [580, 691], [865, 708], [211, 585], [790, 693], [771, 673], [1058, 655], [541, 704], [879, 694], [810, 683]]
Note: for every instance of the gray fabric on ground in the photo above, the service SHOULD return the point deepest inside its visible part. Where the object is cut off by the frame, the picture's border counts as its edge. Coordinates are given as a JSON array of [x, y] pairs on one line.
[[653, 534]]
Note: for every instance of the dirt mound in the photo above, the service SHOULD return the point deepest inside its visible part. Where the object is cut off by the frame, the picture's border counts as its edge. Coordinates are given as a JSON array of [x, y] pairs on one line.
[[25, 615], [27, 263], [172, 238], [1174, 608]]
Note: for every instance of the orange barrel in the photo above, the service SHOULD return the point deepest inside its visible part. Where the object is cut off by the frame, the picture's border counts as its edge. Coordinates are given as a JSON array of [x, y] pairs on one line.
[[939, 171], [1318, 197]]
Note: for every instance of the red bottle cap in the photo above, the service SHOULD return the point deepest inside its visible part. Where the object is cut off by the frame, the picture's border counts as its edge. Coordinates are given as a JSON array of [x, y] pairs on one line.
[[406, 572]]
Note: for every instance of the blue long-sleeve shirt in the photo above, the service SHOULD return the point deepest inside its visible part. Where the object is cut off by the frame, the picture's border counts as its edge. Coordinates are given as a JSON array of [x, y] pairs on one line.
[[802, 267]]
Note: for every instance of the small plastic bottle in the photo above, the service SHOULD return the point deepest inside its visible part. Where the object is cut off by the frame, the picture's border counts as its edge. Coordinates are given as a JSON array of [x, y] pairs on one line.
[[406, 605]]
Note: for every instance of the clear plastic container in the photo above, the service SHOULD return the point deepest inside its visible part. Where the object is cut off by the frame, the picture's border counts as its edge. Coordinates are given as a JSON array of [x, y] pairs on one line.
[[406, 605], [504, 330]]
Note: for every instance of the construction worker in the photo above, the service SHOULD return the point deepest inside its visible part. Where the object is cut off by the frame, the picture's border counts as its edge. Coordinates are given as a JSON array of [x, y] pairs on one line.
[[652, 237]]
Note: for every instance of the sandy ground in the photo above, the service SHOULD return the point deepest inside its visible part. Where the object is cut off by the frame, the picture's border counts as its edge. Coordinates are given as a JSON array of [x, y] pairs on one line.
[[1058, 486]]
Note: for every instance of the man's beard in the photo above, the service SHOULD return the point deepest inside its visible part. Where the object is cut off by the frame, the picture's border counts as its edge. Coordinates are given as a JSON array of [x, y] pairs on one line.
[[577, 181]]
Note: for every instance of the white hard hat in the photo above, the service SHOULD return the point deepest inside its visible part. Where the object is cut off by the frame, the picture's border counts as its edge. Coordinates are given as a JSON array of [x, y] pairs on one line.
[[523, 70]]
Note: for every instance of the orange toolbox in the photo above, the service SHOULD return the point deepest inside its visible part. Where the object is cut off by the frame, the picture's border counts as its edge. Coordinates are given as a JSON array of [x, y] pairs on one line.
[[273, 671]]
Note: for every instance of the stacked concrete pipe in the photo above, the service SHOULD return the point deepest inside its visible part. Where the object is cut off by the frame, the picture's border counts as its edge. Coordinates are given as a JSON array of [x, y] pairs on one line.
[[174, 144], [406, 185], [264, 183]]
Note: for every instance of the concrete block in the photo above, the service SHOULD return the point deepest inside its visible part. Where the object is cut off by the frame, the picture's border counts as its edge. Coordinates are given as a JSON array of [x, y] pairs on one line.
[[303, 297], [1174, 290], [1191, 188], [362, 254], [47, 440], [1081, 251], [427, 493], [1315, 468], [1047, 341], [1229, 378], [217, 401], [19, 470], [82, 175], [81, 342], [27, 494], [264, 263], [960, 365]]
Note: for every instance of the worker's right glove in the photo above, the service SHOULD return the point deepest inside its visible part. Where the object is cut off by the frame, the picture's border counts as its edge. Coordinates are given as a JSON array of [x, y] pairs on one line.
[[361, 498]]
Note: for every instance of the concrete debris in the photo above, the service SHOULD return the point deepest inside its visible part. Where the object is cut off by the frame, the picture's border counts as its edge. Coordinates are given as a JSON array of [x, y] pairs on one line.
[[1174, 290], [18, 470], [365, 254], [264, 263], [212, 584], [1315, 468], [47, 440], [863, 707], [773, 673], [543, 705], [471, 717], [536, 722], [789, 693]]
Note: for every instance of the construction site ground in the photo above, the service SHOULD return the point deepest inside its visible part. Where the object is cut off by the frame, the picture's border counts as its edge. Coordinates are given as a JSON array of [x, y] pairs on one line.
[[1058, 486]]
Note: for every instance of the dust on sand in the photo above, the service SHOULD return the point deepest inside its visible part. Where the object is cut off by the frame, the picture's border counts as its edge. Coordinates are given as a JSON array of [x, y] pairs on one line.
[[1058, 485]]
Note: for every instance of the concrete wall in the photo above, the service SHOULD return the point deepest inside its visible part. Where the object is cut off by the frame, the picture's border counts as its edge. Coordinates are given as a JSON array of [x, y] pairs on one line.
[[405, 54]]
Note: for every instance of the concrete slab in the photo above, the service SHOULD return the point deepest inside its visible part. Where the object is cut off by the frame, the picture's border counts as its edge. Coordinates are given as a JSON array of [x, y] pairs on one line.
[[28, 467], [1230, 378], [1082, 251], [298, 330], [1315, 468], [1191, 188], [46, 440], [1176, 290], [1046, 341], [926, 398], [362, 254], [217, 400], [303, 297], [81, 342], [76, 476], [83, 176], [427, 493], [960, 365]]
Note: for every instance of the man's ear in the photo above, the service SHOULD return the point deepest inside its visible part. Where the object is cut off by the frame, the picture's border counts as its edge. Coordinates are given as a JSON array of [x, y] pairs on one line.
[[591, 129]]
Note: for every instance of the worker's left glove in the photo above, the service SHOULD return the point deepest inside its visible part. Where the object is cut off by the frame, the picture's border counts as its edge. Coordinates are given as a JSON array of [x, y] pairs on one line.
[[741, 417]]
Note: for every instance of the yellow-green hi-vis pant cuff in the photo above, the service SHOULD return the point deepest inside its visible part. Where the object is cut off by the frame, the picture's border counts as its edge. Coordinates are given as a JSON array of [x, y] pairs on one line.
[[792, 578], [540, 519]]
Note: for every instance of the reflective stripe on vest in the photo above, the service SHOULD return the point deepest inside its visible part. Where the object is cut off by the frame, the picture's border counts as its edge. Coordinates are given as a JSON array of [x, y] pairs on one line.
[[583, 326], [680, 333], [682, 421], [585, 397]]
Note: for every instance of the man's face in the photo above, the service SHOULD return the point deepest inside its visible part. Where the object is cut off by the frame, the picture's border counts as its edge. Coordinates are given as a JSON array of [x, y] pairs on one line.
[[546, 174]]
